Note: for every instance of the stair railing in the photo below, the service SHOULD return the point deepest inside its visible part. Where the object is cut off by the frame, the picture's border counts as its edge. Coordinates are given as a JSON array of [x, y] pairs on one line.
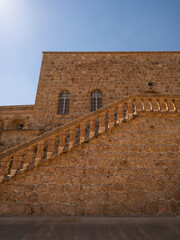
[[28, 155]]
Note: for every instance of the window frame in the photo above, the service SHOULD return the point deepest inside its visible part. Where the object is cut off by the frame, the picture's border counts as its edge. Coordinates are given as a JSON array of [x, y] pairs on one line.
[[97, 98], [66, 103]]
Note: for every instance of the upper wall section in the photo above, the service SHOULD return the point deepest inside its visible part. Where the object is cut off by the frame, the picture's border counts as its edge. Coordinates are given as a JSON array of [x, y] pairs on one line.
[[16, 125], [115, 74], [16, 117]]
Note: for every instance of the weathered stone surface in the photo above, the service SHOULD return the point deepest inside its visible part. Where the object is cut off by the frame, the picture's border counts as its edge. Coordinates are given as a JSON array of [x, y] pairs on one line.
[[177, 196], [51, 209], [133, 168], [93, 209], [33, 179], [115, 74], [46, 169], [137, 196], [21, 197], [133, 181], [45, 197], [47, 179], [32, 197]]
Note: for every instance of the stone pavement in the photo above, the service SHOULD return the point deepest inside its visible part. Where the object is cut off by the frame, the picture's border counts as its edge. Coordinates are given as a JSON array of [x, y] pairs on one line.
[[91, 228]]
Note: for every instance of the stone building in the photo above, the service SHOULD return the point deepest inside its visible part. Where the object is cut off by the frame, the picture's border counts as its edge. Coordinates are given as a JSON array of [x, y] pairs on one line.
[[101, 139]]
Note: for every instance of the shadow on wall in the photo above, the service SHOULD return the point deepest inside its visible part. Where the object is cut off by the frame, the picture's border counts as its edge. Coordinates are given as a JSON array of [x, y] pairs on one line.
[[1, 124], [16, 124]]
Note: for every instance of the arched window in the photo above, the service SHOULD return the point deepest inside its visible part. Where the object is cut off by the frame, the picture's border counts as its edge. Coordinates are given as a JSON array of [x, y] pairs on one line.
[[16, 123], [64, 103], [96, 100]]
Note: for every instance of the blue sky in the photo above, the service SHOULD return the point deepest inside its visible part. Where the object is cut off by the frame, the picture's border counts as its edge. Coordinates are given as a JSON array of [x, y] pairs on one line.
[[28, 27]]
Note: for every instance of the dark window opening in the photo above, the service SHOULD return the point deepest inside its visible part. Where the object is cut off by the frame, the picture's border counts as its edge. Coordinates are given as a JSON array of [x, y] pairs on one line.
[[64, 103], [1, 124], [150, 84], [20, 126], [96, 100]]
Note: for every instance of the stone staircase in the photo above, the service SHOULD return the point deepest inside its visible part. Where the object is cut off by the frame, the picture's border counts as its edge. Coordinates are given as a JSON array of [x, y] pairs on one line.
[[62, 139]]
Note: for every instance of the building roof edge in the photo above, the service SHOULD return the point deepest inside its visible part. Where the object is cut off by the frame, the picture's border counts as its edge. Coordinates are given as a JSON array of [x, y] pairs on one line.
[[110, 52]]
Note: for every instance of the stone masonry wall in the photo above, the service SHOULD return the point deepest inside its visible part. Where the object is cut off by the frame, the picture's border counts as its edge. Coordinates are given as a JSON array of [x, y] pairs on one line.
[[10, 117], [115, 74], [133, 169], [8, 114], [11, 138]]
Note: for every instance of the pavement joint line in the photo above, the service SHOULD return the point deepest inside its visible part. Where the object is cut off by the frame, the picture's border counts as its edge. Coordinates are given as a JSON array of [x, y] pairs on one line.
[[90, 220]]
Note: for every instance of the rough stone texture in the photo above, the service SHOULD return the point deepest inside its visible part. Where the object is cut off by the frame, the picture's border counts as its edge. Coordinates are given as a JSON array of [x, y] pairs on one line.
[[10, 117], [8, 114], [134, 169], [115, 74], [10, 138]]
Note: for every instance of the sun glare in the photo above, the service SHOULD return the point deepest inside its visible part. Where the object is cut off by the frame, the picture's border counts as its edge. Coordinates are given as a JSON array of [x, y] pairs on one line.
[[6, 9], [4, 5], [14, 21]]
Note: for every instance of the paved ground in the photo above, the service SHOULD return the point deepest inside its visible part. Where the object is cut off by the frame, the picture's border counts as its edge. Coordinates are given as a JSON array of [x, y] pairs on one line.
[[91, 228]]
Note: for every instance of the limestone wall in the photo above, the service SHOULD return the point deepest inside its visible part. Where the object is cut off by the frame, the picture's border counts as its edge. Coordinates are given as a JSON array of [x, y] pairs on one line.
[[12, 115], [115, 74], [10, 118], [11, 138], [133, 169]]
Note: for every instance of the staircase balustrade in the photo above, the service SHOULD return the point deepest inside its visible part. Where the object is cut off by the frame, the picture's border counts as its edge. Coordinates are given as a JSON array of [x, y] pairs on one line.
[[22, 157]]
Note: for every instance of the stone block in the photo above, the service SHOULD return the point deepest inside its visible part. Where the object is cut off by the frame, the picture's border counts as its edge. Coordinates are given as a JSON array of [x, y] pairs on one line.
[[93, 209], [96, 179], [32, 197], [51, 209], [48, 179], [137, 196], [33, 179], [46, 169], [177, 196]]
